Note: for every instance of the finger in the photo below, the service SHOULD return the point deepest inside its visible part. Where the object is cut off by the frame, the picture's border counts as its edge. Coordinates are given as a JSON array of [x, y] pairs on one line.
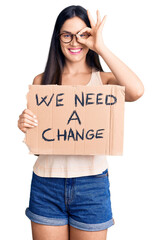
[[102, 23], [98, 18], [23, 130], [80, 40], [27, 116], [26, 125], [28, 111], [25, 120], [86, 29], [92, 22]]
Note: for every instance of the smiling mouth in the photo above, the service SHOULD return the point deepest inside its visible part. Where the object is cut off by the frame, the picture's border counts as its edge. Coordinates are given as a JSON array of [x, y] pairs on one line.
[[75, 50]]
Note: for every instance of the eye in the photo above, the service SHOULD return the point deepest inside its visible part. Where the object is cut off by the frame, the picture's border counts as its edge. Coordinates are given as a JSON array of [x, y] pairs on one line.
[[66, 35], [84, 35]]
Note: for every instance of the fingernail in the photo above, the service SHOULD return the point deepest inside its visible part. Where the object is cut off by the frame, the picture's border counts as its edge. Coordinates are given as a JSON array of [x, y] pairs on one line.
[[35, 124], [35, 120], [35, 116]]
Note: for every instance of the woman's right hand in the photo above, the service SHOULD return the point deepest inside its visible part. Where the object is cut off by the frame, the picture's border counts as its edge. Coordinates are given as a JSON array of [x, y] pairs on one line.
[[27, 120]]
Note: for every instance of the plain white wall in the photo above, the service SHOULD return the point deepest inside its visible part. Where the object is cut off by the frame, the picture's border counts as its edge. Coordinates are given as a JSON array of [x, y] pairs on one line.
[[132, 33]]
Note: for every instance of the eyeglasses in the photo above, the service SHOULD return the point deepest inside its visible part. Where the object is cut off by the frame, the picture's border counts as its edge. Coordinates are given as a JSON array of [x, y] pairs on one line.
[[68, 37]]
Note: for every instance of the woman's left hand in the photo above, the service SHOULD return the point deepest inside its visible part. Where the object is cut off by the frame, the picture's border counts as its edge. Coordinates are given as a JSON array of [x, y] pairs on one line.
[[94, 41]]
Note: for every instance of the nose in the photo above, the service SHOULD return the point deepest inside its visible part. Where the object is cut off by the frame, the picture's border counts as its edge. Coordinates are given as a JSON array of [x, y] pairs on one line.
[[74, 40]]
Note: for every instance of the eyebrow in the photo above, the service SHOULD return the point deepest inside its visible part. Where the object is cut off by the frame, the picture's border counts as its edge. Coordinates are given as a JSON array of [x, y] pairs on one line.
[[64, 31]]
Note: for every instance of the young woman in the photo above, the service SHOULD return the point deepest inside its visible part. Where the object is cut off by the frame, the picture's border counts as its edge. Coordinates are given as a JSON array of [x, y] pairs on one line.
[[70, 197]]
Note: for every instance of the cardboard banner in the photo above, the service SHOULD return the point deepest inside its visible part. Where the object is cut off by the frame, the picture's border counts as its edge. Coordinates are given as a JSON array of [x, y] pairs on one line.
[[76, 119]]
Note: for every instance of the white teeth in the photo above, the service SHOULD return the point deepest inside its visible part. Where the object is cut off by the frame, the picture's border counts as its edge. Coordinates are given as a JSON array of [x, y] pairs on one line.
[[76, 50]]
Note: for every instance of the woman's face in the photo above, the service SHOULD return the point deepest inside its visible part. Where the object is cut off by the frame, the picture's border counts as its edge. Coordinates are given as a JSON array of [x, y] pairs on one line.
[[73, 51]]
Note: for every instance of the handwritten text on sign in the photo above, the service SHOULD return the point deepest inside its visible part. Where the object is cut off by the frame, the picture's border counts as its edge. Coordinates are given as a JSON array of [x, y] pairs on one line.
[[87, 99]]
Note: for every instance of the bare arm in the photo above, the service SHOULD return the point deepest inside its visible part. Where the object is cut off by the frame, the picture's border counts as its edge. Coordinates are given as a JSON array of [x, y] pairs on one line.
[[122, 75]]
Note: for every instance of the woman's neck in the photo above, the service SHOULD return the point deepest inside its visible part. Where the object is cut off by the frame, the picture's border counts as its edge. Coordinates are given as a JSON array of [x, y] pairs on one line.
[[76, 68]]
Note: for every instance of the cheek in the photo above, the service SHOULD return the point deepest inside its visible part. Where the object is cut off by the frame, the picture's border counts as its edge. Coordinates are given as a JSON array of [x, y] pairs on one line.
[[86, 50], [62, 48]]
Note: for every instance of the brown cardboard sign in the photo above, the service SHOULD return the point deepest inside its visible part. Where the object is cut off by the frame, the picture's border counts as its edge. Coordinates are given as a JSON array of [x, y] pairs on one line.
[[76, 119]]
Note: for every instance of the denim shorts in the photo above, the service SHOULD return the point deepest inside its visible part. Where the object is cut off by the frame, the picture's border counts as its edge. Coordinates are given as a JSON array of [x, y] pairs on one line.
[[82, 202]]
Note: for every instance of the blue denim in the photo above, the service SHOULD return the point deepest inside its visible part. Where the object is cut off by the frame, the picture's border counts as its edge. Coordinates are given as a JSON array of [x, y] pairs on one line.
[[82, 202]]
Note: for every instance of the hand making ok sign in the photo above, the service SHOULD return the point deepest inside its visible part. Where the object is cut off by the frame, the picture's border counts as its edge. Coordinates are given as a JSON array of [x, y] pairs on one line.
[[95, 40]]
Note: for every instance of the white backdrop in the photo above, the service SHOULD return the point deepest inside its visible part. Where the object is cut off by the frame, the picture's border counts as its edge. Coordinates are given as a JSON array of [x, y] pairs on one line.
[[131, 32]]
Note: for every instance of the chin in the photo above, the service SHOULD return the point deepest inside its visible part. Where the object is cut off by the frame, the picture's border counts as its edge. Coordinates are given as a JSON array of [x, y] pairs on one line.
[[75, 60]]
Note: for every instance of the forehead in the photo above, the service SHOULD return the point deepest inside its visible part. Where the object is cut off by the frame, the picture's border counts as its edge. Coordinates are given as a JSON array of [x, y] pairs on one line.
[[73, 25]]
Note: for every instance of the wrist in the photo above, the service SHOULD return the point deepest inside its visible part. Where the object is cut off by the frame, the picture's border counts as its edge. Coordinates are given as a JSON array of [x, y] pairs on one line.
[[101, 49]]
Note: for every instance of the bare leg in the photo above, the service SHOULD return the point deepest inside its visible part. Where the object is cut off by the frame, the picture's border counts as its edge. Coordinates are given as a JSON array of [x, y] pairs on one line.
[[87, 235], [45, 232]]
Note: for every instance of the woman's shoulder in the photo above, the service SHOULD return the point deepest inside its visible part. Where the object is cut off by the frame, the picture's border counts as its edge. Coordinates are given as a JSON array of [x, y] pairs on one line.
[[108, 78], [38, 79]]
